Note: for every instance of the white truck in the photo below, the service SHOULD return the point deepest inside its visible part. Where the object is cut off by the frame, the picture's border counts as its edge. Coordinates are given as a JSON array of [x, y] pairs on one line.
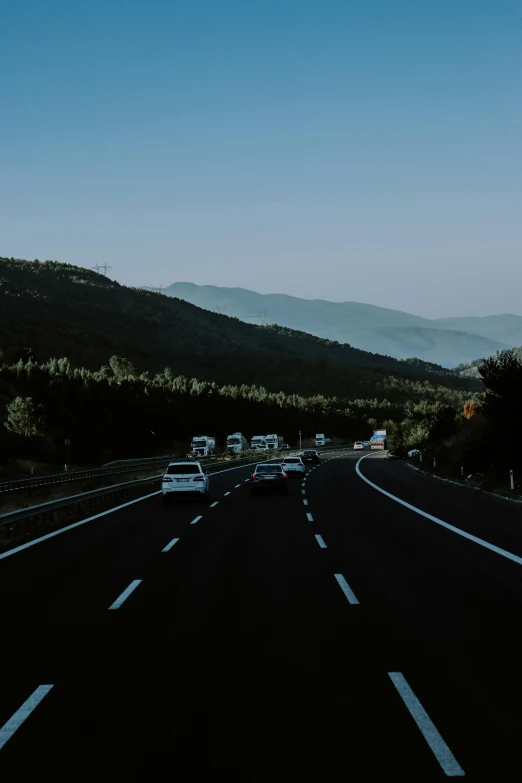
[[203, 445], [258, 443], [321, 440], [236, 443], [274, 442]]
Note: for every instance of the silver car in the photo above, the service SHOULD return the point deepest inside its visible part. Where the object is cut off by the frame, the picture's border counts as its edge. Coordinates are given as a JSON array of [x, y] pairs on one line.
[[293, 466], [185, 477]]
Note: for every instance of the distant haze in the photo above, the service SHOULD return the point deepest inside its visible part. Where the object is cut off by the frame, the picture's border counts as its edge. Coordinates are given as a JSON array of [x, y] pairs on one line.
[[363, 151], [445, 341]]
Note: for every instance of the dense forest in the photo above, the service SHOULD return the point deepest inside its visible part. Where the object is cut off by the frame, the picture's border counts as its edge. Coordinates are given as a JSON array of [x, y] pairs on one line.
[[115, 412], [49, 309]]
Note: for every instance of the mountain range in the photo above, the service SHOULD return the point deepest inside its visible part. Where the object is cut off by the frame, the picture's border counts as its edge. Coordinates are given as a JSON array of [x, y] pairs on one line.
[[444, 341]]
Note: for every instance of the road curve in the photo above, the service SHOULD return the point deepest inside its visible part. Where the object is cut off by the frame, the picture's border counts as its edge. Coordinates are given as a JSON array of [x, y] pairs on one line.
[[331, 632]]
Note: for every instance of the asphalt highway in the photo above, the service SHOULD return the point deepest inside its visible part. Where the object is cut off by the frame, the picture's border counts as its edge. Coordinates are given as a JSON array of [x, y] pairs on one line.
[[363, 627]]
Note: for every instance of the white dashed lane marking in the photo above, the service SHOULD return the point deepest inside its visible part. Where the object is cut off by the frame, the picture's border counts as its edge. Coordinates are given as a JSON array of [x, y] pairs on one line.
[[14, 723], [213, 505], [440, 750], [320, 541], [123, 597], [171, 543], [309, 517], [345, 587]]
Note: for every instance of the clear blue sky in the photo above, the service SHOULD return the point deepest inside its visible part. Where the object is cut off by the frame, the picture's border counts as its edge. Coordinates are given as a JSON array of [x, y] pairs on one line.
[[363, 150]]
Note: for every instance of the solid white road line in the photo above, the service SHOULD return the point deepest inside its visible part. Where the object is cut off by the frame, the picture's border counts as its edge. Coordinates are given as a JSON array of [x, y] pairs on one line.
[[171, 543], [226, 493], [14, 723], [442, 753], [75, 524], [123, 597], [485, 544], [309, 517], [212, 505], [305, 501], [320, 541], [345, 587], [196, 519]]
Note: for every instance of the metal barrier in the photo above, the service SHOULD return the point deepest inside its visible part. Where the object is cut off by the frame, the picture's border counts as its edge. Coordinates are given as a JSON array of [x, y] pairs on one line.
[[20, 485]]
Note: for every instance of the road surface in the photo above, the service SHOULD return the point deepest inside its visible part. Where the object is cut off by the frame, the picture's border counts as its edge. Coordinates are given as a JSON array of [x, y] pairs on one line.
[[331, 634]]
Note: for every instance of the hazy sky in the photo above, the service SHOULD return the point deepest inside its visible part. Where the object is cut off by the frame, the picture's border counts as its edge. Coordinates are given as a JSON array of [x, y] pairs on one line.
[[366, 150]]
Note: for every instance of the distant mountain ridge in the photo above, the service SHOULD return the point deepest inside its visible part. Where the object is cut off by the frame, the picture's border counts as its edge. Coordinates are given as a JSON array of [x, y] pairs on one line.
[[445, 341]]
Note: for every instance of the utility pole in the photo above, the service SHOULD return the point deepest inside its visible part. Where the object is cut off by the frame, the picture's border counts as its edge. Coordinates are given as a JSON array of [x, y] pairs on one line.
[[299, 440]]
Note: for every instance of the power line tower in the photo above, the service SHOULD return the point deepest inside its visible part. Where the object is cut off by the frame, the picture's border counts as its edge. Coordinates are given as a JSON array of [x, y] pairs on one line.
[[157, 290], [261, 314], [221, 308], [99, 268]]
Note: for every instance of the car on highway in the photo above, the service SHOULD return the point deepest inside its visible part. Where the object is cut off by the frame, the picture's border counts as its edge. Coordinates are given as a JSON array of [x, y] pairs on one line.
[[366, 444], [310, 455], [293, 466], [269, 475], [413, 453], [285, 447], [358, 445], [185, 477]]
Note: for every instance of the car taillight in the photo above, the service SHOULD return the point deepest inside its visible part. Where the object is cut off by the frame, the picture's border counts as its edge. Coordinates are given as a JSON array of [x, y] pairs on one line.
[[166, 478], [254, 476], [284, 475], [199, 478]]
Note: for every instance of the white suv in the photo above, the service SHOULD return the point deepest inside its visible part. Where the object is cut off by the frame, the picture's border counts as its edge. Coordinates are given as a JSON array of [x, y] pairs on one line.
[[185, 477], [293, 466]]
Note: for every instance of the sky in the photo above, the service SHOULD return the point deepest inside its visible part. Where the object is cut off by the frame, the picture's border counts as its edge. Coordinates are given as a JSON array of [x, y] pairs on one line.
[[350, 150]]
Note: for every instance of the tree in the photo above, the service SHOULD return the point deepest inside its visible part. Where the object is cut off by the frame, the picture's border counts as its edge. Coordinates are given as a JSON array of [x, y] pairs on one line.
[[122, 368], [24, 417]]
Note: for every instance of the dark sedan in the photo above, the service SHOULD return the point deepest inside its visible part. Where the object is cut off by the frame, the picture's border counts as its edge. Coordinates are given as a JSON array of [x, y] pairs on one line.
[[310, 455], [269, 475]]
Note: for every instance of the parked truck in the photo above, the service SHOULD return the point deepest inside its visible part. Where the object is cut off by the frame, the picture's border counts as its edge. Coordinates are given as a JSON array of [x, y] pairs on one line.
[[322, 440], [274, 442], [203, 445], [236, 443], [258, 442]]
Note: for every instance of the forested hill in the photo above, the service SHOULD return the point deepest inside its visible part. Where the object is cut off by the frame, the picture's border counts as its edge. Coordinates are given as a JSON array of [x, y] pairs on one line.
[[53, 310]]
